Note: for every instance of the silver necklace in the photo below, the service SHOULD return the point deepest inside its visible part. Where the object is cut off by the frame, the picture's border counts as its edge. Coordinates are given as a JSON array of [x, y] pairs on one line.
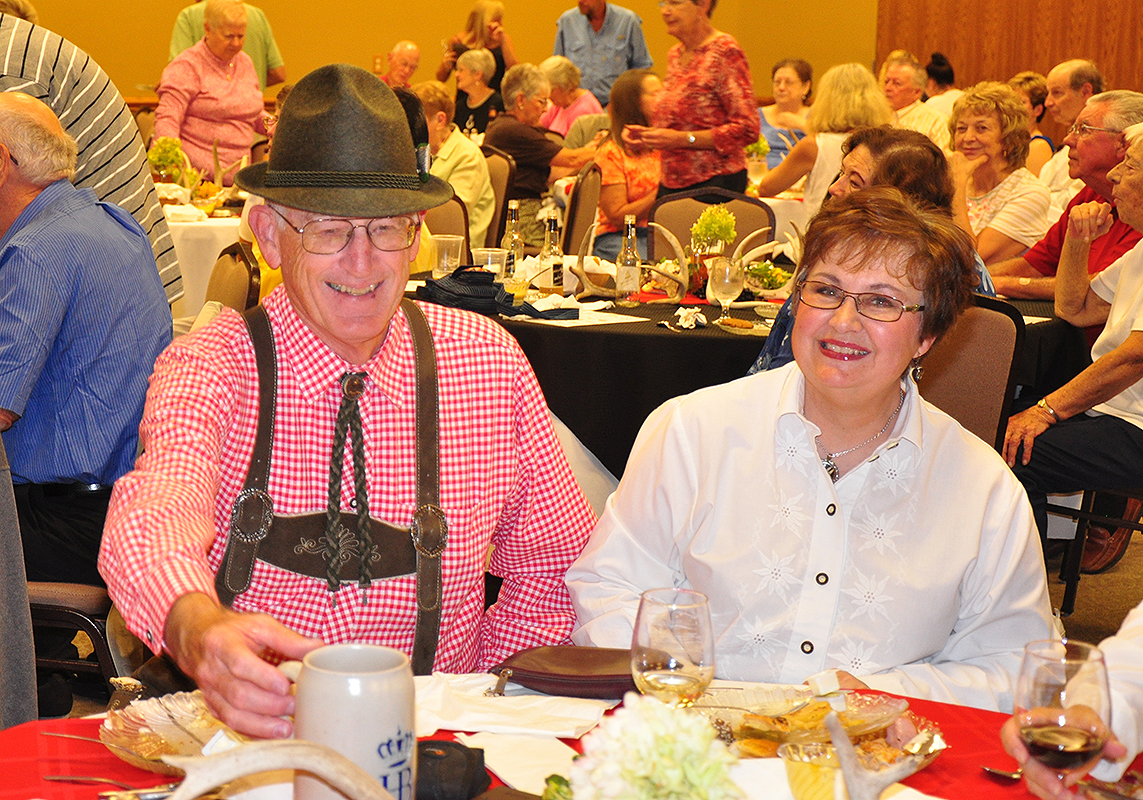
[[828, 462]]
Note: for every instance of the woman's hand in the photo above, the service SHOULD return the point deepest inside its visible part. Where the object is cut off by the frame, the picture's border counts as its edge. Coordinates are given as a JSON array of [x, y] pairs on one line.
[[847, 681], [1023, 428], [962, 167], [655, 138], [1043, 781], [1089, 221], [495, 34]]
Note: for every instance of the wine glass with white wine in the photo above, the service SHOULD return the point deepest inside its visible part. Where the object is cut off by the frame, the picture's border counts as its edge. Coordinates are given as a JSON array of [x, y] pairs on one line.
[[725, 278], [672, 648], [1063, 704]]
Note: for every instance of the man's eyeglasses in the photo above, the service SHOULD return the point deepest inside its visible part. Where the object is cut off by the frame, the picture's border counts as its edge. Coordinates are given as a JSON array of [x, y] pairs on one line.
[[1083, 129], [326, 236], [880, 307]]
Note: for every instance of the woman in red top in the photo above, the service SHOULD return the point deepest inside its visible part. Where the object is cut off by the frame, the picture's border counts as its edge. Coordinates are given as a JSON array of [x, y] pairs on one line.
[[706, 114]]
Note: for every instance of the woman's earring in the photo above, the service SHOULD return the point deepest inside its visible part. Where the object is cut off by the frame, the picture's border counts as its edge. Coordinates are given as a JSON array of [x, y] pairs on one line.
[[917, 371]]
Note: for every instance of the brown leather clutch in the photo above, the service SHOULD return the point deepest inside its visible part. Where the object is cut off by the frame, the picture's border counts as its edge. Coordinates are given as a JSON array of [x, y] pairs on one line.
[[601, 673]]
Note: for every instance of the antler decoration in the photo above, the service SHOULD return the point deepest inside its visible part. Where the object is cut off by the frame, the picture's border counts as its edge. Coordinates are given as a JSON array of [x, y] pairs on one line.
[[747, 240], [207, 773], [861, 783], [593, 289]]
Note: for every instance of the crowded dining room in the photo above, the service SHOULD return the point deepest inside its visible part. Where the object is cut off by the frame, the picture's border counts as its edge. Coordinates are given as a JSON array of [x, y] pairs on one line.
[[717, 401]]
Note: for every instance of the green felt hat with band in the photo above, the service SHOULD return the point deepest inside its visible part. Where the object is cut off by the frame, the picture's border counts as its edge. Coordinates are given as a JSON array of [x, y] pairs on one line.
[[342, 147]]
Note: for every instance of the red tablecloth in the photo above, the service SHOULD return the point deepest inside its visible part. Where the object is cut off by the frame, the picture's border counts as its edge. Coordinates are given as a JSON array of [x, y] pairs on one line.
[[25, 756]]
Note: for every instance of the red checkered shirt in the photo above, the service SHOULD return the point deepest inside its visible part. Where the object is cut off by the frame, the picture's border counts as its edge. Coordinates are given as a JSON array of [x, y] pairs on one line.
[[504, 483]]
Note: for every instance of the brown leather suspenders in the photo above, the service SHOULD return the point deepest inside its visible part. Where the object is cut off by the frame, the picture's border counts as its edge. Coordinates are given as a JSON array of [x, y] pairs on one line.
[[298, 542]]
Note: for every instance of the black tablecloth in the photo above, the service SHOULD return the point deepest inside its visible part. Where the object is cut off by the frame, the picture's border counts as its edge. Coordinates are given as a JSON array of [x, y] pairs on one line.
[[603, 380]]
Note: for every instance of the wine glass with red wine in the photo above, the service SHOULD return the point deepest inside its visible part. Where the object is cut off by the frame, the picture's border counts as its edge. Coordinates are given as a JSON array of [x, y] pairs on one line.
[[1063, 704]]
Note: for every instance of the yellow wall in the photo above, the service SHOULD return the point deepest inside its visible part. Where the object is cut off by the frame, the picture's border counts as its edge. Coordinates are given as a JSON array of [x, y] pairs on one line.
[[129, 37]]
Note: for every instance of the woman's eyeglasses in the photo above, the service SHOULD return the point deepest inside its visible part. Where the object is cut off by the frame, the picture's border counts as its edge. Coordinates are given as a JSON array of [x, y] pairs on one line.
[[879, 307]]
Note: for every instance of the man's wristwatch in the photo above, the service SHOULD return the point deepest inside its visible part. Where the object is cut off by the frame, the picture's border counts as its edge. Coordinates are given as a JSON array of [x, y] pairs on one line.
[[1044, 405]]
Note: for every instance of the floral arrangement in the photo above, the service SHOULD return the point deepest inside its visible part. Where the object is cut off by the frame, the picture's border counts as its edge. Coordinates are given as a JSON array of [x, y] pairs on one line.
[[759, 149], [649, 751], [169, 162], [715, 225]]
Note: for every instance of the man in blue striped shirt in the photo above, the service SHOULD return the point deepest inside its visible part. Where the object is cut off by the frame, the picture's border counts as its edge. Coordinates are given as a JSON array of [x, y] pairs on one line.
[[83, 316]]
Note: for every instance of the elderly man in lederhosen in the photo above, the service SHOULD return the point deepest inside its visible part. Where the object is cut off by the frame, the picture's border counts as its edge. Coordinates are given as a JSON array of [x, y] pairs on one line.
[[336, 464]]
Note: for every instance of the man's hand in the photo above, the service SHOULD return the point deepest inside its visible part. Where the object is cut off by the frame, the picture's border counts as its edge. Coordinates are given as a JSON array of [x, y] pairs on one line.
[[1043, 781], [224, 652], [1023, 428], [1089, 221]]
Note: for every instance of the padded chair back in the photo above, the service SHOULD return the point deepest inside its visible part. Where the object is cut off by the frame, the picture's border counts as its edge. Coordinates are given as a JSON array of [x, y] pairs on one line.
[[969, 373], [17, 654], [235, 280], [502, 173], [452, 218], [677, 213], [583, 205]]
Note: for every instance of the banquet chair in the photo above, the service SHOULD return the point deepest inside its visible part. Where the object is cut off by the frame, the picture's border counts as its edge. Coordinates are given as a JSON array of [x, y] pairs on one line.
[[452, 218], [17, 653], [502, 172], [970, 373], [235, 279], [583, 205], [1085, 516], [677, 212]]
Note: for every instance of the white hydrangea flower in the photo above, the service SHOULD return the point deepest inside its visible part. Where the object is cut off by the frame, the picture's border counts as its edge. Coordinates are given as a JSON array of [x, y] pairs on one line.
[[649, 751]]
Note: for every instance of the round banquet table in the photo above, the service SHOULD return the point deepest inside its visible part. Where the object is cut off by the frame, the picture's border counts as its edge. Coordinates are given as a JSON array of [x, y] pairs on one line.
[[197, 245], [603, 380], [26, 756]]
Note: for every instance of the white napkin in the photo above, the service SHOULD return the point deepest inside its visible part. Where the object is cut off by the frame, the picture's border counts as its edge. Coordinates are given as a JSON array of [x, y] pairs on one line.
[[551, 301], [184, 213], [457, 703], [522, 762], [765, 779]]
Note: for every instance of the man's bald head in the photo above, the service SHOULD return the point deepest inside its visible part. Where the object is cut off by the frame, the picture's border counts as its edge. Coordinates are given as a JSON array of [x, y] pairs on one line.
[[36, 142], [1070, 84], [404, 59]]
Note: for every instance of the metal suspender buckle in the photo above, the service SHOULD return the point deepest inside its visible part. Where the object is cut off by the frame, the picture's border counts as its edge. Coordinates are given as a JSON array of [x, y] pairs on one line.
[[245, 513], [429, 531]]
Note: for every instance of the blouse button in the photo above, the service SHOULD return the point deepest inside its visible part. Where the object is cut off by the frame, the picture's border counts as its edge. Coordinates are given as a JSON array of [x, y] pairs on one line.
[[831, 509], [822, 579], [353, 502], [807, 647]]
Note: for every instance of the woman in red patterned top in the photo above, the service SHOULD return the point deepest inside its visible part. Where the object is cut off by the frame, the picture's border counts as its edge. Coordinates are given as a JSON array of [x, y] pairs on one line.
[[706, 114]]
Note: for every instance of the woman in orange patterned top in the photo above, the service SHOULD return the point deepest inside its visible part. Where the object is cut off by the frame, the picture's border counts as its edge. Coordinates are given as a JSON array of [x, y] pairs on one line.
[[707, 113], [630, 172]]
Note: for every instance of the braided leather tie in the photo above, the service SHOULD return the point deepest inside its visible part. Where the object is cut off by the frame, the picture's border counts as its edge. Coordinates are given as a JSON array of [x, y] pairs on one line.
[[348, 420]]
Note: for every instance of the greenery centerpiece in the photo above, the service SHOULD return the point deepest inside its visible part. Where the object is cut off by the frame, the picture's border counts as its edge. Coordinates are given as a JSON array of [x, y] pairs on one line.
[[711, 234], [169, 164]]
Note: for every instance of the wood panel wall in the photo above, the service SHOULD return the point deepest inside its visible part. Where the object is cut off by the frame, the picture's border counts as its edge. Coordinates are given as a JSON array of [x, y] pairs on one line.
[[986, 39]]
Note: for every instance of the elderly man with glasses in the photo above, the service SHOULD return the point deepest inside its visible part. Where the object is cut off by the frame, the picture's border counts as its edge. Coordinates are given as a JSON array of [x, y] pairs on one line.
[[1088, 434], [337, 465], [1095, 144]]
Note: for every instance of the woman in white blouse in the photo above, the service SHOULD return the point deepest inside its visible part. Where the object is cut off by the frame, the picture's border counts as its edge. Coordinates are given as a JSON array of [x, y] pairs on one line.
[[833, 518], [998, 202]]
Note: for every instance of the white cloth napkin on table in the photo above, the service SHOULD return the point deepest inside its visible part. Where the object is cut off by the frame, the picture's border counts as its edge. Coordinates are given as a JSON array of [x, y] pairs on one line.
[[551, 301], [522, 762], [184, 213], [457, 703]]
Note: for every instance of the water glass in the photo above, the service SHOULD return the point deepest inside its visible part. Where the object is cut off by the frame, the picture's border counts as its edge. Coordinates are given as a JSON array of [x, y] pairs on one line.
[[445, 253], [672, 647]]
